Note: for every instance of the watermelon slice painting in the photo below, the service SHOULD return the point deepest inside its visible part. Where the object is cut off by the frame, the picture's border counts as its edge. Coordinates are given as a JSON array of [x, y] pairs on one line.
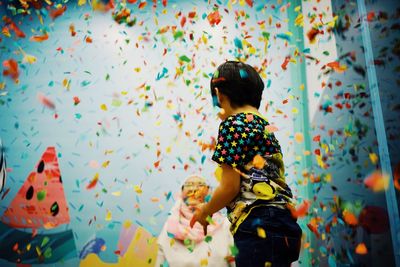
[[40, 202], [39, 205]]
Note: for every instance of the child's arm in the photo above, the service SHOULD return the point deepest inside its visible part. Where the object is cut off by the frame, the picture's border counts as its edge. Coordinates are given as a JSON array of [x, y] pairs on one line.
[[226, 191]]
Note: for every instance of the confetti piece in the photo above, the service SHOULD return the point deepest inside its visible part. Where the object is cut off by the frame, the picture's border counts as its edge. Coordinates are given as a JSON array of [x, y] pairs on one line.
[[258, 161], [11, 69], [349, 218], [58, 12], [108, 215], [299, 137], [94, 181], [261, 232], [103, 107], [214, 18], [45, 101], [377, 181], [301, 211], [39, 38], [361, 249], [337, 67], [373, 157]]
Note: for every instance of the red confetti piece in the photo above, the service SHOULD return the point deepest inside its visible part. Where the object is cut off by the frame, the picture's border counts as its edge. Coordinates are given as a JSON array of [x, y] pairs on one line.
[[58, 12], [396, 176], [285, 63], [214, 18], [11, 69], [46, 101], [11, 24], [142, 5], [301, 210]]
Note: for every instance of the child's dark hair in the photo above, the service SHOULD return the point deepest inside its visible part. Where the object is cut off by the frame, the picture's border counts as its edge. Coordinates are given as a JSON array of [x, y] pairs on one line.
[[238, 81]]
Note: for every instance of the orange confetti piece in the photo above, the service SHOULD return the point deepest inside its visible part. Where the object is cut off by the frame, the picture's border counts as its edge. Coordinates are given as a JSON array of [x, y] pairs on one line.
[[258, 162], [39, 38], [271, 129], [361, 249], [337, 67], [214, 18], [350, 218], [377, 181]]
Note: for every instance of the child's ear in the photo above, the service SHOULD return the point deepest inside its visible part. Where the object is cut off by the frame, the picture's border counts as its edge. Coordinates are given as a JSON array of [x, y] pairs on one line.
[[219, 95]]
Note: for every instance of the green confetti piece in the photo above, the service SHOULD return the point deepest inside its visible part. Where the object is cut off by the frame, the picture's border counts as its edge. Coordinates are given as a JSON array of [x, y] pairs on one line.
[[178, 34], [41, 195], [234, 250], [184, 58], [116, 103], [208, 239], [45, 241], [326, 53], [266, 35], [107, 77], [47, 253]]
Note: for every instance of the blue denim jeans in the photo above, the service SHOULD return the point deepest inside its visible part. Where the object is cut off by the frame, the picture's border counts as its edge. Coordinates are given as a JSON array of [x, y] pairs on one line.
[[281, 245]]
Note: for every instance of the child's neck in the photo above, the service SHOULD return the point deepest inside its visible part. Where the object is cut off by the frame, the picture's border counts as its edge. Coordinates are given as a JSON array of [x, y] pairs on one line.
[[244, 109]]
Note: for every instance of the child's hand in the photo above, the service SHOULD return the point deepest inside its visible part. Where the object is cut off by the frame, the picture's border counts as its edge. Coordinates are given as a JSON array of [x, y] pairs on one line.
[[200, 216]]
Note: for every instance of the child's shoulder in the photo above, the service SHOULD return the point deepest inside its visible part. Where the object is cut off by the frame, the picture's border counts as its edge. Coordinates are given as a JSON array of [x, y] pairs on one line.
[[245, 118]]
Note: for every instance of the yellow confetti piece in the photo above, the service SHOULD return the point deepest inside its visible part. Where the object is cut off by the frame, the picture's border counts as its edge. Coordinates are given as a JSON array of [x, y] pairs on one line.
[[108, 216], [105, 164], [81, 2], [103, 107], [299, 21], [127, 224], [294, 110], [373, 157], [299, 137], [29, 59], [218, 173], [261, 232], [137, 189], [117, 193], [66, 83], [137, 69], [204, 262], [28, 247]]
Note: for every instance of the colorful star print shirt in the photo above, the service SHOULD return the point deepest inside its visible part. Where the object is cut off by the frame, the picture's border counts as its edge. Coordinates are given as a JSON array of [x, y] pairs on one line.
[[245, 144]]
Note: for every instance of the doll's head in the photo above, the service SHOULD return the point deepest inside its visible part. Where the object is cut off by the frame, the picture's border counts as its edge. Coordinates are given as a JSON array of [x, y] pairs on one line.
[[194, 190]]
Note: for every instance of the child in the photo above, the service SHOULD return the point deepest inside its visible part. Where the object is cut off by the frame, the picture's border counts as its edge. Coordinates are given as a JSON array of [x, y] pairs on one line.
[[252, 186]]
